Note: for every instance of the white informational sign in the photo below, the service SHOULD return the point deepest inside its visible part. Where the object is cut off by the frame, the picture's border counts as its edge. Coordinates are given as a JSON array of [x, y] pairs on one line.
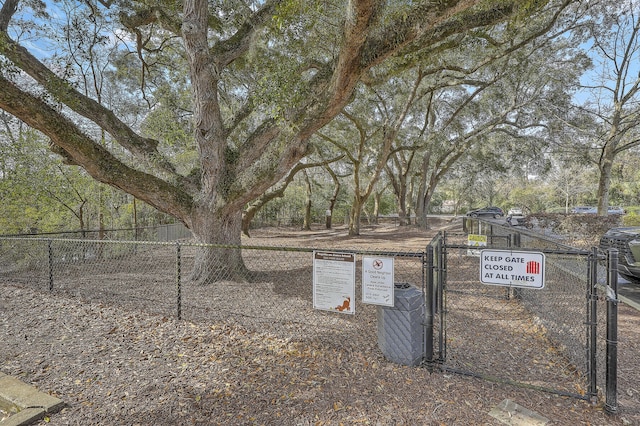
[[512, 268], [377, 281], [334, 282], [476, 241]]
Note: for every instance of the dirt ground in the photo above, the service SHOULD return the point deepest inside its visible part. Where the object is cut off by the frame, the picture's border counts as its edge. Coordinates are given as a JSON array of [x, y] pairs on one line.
[[120, 366]]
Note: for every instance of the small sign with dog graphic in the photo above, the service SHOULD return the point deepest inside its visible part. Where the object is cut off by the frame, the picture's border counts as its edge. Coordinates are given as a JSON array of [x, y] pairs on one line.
[[334, 282]]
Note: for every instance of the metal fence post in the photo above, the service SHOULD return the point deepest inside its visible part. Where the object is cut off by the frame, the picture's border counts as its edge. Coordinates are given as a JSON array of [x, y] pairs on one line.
[[429, 304], [611, 404], [510, 291], [592, 322], [515, 238], [178, 281], [50, 255], [440, 296]]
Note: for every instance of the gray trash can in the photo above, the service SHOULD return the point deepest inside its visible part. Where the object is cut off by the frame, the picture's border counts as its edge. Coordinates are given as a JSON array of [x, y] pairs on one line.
[[400, 329]]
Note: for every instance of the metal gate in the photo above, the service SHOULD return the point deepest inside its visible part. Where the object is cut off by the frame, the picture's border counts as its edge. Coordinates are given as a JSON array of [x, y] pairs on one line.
[[553, 339]]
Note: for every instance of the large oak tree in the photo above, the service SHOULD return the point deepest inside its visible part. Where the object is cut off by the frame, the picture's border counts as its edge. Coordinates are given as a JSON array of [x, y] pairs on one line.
[[264, 75]]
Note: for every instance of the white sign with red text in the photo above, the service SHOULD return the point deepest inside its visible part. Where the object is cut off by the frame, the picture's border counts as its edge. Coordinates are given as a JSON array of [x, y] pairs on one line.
[[512, 268]]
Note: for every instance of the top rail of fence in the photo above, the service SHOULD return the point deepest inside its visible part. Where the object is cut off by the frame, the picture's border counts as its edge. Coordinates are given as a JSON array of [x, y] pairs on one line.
[[398, 253]]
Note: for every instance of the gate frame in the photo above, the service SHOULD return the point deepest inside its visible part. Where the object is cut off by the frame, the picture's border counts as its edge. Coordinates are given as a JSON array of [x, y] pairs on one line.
[[434, 290]]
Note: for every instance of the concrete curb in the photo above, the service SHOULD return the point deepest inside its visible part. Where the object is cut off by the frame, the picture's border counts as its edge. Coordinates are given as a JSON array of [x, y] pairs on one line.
[[629, 302], [510, 413], [33, 404]]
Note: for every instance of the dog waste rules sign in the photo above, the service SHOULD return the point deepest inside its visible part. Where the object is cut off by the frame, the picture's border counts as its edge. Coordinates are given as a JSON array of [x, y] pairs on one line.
[[334, 282], [512, 268]]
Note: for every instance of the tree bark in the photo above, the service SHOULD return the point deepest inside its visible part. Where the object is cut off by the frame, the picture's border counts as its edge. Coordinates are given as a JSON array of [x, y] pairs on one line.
[[334, 196], [354, 217], [604, 180], [400, 190], [306, 223], [221, 259], [376, 207]]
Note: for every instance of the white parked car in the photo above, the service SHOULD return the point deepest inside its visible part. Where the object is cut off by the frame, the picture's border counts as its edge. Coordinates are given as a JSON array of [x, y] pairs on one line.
[[584, 210], [515, 216], [594, 210], [615, 210]]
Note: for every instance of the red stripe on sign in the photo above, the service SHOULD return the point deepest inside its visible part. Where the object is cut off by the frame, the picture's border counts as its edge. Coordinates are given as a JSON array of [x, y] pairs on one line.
[[533, 267]]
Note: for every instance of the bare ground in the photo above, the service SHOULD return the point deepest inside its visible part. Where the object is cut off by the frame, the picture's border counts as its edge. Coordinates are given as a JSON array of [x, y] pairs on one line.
[[121, 366]]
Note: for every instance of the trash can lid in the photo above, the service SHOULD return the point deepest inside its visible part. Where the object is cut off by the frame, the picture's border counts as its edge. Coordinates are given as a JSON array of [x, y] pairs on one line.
[[407, 297], [402, 286]]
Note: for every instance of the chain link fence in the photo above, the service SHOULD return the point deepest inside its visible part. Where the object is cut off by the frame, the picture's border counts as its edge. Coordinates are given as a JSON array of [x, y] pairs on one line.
[[275, 295], [552, 338], [160, 233], [537, 338]]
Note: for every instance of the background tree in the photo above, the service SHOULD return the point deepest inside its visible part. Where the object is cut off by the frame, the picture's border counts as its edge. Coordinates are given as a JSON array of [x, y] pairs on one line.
[[611, 99], [366, 137], [399, 170], [569, 182], [334, 196], [467, 95], [498, 114], [278, 191], [629, 184], [43, 195]]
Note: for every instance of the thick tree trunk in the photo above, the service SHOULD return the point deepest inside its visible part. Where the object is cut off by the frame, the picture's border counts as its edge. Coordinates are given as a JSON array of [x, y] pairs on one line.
[[354, 217], [376, 207], [247, 217], [306, 225], [423, 188], [334, 196], [399, 182], [220, 257], [401, 198], [604, 183]]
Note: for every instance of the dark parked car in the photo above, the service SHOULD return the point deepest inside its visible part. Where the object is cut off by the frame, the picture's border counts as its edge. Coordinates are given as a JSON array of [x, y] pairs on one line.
[[627, 241], [486, 211]]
